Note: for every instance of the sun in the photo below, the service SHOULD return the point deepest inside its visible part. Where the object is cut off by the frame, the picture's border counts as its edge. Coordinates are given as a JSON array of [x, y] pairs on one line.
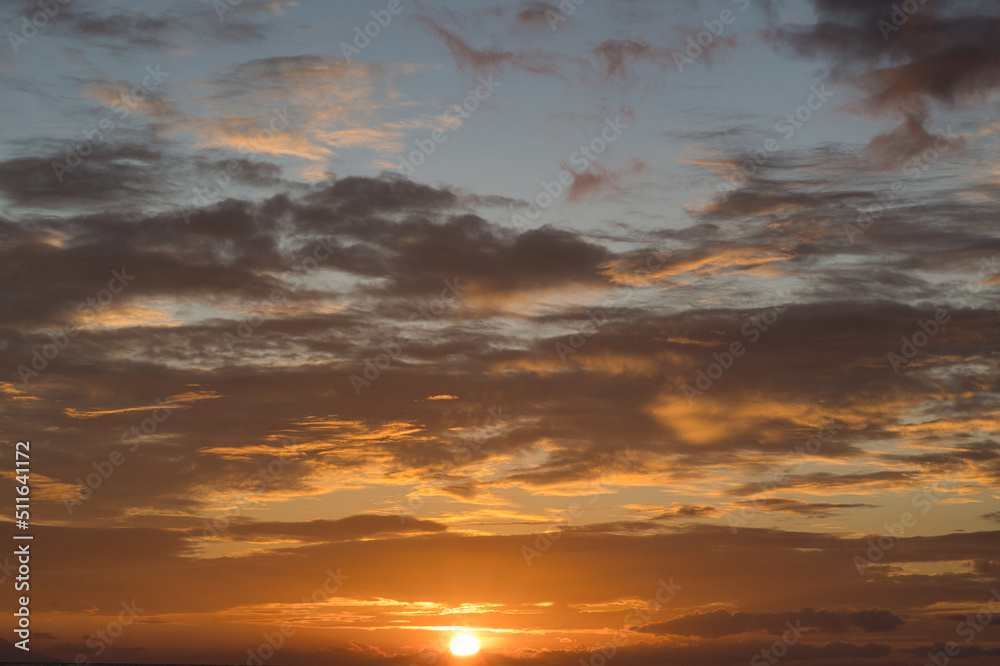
[[464, 644]]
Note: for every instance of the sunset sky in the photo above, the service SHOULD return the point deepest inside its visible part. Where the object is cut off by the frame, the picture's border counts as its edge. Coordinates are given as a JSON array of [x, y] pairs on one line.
[[657, 328]]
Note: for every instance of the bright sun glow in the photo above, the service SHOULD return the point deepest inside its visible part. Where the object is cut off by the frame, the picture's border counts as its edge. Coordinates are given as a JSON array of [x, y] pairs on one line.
[[464, 644]]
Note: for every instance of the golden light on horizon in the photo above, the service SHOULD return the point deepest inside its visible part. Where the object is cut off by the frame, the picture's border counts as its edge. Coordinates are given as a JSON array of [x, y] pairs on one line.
[[464, 644]]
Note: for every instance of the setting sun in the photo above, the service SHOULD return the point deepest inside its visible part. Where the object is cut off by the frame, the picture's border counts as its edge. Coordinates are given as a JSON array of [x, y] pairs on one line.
[[464, 644]]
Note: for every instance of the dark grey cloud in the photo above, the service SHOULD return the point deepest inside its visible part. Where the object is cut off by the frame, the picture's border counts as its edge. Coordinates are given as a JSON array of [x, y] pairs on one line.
[[818, 480], [685, 511], [903, 62], [137, 168], [723, 622], [324, 530], [797, 570], [537, 14], [784, 505], [123, 30]]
